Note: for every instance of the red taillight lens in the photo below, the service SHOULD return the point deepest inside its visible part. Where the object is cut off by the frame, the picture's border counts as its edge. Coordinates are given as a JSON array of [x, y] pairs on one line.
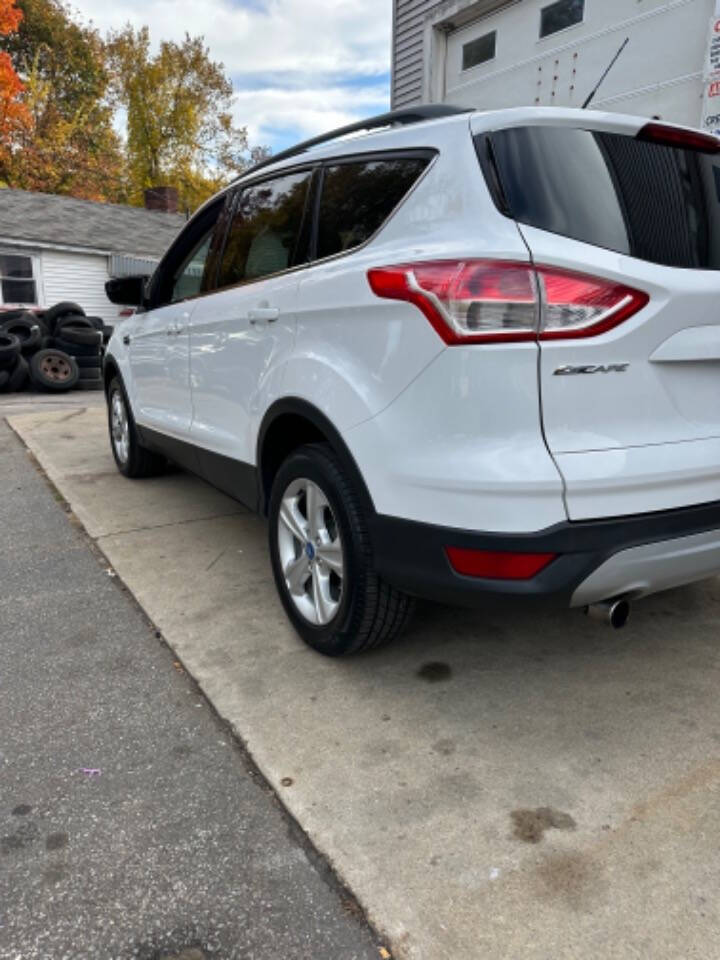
[[575, 305], [495, 565], [677, 137], [483, 301]]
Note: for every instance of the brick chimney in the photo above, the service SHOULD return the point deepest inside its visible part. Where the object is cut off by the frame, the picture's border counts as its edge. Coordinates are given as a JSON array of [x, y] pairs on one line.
[[164, 199]]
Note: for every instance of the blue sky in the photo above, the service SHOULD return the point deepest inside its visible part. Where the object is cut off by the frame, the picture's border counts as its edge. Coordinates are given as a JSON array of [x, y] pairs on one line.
[[299, 67]]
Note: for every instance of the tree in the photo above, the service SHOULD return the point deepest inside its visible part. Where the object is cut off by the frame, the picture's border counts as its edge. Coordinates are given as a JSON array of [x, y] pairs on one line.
[[69, 145], [179, 122], [13, 113]]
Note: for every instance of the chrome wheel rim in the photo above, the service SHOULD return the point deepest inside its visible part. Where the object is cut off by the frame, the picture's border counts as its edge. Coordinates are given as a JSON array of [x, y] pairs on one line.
[[119, 427], [311, 552]]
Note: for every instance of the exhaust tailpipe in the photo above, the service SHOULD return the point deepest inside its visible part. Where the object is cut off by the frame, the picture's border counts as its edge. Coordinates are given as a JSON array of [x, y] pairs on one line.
[[614, 613]]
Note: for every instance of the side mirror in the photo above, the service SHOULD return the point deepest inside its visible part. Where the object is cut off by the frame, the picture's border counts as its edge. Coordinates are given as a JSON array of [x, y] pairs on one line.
[[127, 291]]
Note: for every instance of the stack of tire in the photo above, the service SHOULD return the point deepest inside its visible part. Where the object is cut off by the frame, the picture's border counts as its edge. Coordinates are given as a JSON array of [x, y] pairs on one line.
[[55, 350]]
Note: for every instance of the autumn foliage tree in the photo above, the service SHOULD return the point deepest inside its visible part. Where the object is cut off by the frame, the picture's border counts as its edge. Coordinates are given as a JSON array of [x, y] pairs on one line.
[[14, 115], [63, 89], [178, 106], [69, 144]]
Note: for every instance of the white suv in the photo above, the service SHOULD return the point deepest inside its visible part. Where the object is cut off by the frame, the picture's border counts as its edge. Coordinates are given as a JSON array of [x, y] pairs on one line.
[[455, 355]]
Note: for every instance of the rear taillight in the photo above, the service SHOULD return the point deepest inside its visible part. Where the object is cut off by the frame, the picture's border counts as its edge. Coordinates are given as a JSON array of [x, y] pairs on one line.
[[486, 301]]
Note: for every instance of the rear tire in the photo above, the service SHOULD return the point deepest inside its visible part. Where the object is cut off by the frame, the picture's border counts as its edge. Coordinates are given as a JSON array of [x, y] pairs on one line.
[[319, 543], [132, 459]]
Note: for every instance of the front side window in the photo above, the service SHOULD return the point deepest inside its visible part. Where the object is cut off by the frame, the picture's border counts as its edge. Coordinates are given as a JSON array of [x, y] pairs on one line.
[[358, 197], [264, 235], [560, 15], [479, 51], [189, 277], [17, 282]]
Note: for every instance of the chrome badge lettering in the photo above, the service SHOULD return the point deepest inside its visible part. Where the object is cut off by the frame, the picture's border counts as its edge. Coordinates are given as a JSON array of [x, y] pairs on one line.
[[569, 370]]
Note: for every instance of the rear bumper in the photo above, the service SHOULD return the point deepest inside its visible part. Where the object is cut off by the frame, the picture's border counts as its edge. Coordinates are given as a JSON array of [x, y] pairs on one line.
[[596, 559]]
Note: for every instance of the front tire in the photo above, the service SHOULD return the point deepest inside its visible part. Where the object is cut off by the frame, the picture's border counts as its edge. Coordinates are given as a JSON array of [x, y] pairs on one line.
[[132, 459], [322, 558]]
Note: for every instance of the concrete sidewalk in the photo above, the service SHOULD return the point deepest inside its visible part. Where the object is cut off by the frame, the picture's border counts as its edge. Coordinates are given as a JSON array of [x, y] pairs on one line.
[[130, 823], [494, 785]]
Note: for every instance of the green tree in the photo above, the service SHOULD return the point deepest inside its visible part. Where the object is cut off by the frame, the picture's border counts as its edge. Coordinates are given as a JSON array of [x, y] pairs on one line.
[[178, 106]]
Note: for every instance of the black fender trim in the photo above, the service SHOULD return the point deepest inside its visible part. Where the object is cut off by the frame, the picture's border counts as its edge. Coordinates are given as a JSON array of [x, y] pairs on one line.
[[301, 408]]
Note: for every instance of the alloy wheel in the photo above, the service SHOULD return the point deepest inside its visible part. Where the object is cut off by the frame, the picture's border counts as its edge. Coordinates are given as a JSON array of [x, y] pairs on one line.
[[311, 551]]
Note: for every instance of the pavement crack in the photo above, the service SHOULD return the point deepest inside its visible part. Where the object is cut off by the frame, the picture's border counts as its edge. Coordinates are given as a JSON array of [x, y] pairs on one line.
[[68, 416], [171, 523], [218, 557]]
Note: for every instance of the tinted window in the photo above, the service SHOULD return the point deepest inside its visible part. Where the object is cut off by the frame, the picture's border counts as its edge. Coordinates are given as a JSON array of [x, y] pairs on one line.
[[17, 284], [479, 51], [183, 271], [648, 200], [189, 276], [265, 229], [357, 198], [560, 15]]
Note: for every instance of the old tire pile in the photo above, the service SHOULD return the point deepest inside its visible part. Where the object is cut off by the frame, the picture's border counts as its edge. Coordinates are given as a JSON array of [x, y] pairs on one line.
[[55, 350]]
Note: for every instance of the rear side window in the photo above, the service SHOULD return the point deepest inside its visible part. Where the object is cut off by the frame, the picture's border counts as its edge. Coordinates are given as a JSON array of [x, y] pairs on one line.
[[655, 202], [358, 197], [265, 229]]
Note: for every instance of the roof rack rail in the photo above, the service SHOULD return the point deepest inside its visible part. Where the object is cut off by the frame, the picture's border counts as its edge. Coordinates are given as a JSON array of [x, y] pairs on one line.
[[426, 111]]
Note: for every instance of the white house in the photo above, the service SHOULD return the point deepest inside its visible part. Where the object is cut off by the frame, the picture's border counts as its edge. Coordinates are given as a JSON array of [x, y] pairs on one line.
[[501, 53], [55, 248]]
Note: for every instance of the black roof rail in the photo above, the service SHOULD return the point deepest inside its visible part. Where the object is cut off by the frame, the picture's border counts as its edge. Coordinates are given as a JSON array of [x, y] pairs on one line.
[[425, 111]]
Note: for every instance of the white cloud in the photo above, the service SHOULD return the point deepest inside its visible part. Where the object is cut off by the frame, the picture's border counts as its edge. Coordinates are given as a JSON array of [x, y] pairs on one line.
[[269, 112], [298, 67]]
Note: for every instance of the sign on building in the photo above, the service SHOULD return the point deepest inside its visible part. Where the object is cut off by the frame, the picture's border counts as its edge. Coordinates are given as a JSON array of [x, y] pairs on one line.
[[711, 77]]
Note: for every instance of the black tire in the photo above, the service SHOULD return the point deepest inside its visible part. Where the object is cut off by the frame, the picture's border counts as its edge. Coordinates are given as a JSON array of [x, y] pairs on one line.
[[9, 350], [46, 342], [6, 315], [90, 384], [60, 310], [27, 330], [78, 330], [54, 370], [18, 376], [97, 322], [370, 612], [4, 379], [89, 373], [139, 461], [78, 349], [107, 332], [93, 361]]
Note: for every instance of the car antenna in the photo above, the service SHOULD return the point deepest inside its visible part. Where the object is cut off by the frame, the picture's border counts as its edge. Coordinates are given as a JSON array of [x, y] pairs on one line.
[[609, 68]]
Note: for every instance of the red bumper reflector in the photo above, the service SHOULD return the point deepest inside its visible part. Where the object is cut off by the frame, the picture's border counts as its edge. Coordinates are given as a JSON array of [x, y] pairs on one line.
[[495, 565]]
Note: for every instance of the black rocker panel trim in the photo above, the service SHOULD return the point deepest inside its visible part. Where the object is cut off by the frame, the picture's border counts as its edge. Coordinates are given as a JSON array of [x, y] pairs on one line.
[[237, 479]]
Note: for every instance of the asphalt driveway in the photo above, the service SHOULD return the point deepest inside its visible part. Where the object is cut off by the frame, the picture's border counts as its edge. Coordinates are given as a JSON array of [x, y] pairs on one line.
[[131, 824], [493, 785]]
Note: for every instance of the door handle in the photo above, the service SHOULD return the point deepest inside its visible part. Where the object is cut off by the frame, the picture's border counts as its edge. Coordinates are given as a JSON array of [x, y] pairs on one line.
[[268, 314]]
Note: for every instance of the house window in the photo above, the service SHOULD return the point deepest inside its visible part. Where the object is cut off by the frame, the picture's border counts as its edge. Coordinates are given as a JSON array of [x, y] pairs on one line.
[[17, 281], [561, 15], [479, 51]]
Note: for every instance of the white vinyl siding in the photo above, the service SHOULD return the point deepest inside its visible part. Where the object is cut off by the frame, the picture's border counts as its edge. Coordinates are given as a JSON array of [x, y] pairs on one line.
[[79, 277], [407, 54]]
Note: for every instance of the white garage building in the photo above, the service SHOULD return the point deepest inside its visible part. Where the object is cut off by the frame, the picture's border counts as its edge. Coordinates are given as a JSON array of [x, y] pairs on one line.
[[500, 53], [55, 248]]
